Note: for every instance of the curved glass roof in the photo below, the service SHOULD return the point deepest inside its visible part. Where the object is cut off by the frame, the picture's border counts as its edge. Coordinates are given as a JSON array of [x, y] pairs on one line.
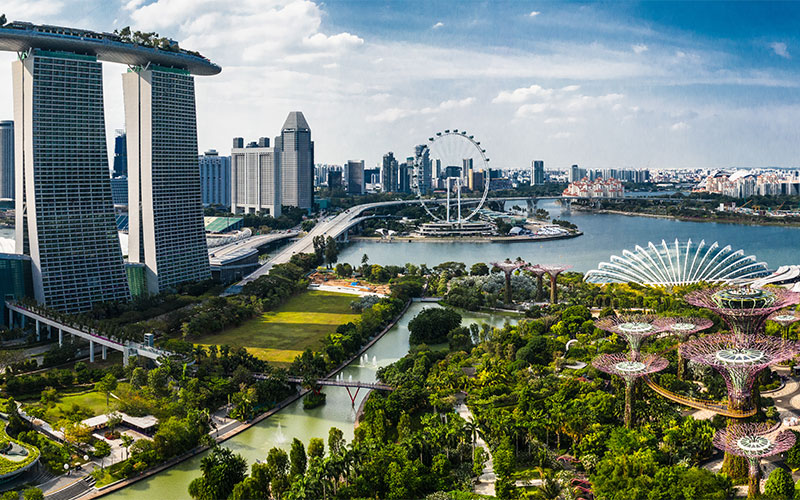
[[678, 264]]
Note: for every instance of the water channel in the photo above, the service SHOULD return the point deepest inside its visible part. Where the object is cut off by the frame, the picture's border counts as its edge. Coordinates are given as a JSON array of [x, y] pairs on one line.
[[295, 422], [604, 235]]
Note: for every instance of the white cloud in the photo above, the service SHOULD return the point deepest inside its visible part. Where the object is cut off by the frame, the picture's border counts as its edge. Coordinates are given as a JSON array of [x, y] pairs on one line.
[[560, 135], [522, 94], [394, 114], [30, 10], [534, 13], [780, 49], [438, 25], [679, 126], [639, 48]]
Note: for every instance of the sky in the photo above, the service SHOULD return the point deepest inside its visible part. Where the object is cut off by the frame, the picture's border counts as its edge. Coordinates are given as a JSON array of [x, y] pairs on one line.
[[602, 84]]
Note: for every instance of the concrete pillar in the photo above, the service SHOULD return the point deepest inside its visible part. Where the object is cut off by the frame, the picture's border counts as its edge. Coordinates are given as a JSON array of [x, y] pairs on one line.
[[10, 319], [91, 351], [60, 337], [38, 331], [105, 353]]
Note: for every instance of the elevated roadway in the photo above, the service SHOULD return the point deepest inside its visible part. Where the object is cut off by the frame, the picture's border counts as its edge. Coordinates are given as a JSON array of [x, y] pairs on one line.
[[336, 226]]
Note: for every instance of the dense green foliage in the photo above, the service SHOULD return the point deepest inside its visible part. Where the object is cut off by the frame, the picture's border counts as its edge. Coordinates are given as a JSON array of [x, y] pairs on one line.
[[431, 326]]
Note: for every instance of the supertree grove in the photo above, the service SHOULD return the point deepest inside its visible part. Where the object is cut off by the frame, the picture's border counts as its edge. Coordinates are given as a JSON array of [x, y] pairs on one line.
[[753, 441], [508, 267], [685, 327], [630, 370], [785, 319], [744, 309], [738, 359], [537, 271], [553, 272], [635, 328]]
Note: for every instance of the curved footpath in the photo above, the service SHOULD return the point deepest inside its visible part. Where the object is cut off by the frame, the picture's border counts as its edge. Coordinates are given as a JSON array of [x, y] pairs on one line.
[[235, 427]]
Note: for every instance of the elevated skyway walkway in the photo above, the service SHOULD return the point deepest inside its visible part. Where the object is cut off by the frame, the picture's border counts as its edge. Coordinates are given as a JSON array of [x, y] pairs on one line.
[[719, 407], [127, 348]]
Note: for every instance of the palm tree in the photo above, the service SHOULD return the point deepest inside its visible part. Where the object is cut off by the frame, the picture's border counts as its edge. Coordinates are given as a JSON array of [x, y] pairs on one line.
[[472, 428], [550, 489]]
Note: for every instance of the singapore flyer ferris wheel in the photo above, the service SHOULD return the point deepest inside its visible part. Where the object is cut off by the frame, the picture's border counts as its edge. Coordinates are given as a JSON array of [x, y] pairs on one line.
[[458, 162]]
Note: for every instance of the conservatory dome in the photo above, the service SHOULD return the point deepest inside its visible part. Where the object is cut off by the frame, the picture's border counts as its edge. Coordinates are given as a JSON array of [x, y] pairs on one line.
[[679, 263]]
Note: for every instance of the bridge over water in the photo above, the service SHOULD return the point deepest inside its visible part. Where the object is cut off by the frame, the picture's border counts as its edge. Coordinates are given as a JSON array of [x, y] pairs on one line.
[[336, 382]]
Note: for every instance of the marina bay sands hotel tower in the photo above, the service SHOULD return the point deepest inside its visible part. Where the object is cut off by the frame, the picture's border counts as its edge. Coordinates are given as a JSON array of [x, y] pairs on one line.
[[65, 218]]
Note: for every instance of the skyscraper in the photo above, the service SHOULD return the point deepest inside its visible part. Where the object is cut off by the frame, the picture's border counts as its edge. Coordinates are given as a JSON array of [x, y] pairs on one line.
[[355, 176], [423, 158], [537, 172], [215, 178], [296, 151], [165, 205], [389, 173], [120, 154], [65, 219], [255, 178], [7, 160]]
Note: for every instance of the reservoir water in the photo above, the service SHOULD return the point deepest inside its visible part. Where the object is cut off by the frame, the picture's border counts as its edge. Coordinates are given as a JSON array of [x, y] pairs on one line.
[[603, 235], [295, 422]]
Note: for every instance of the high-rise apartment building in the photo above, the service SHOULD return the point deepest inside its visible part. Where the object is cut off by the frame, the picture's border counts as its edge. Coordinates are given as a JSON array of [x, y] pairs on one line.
[[354, 173], [166, 231], [120, 167], [6, 160], [296, 151], [537, 172], [389, 173], [255, 178], [215, 178], [576, 173], [64, 214]]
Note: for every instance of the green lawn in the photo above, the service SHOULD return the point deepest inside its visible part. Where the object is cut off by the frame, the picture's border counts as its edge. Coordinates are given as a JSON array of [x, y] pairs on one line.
[[278, 336], [93, 402]]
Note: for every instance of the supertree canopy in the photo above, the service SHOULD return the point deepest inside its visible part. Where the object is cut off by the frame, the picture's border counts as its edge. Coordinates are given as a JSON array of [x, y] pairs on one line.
[[508, 267], [539, 273], [684, 327], [630, 370], [744, 309], [635, 328], [754, 441], [785, 319], [738, 358], [554, 271]]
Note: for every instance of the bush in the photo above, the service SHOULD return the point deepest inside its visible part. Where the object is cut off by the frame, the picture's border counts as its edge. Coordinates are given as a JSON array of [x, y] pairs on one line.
[[779, 485], [431, 326]]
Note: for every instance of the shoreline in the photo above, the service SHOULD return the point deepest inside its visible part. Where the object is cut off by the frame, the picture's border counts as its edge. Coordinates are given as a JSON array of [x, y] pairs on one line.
[[690, 219], [124, 483], [469, 239]]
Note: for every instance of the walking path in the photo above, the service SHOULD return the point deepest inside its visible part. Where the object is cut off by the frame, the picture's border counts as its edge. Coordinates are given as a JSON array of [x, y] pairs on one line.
[[485, 485]]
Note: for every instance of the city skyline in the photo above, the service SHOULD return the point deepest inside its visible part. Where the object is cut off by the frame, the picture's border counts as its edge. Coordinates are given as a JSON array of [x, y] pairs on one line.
[[701, 85]]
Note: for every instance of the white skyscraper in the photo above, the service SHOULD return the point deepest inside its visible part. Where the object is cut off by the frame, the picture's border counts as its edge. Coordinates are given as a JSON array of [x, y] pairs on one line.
[[255, 178], [64, 216], [166, 231]]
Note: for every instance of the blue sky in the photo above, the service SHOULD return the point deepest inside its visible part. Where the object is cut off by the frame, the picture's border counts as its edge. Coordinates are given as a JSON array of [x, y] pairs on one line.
[[652, 84]]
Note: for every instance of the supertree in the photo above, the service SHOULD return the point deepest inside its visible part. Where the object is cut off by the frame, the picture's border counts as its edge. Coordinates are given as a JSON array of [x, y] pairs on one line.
[[753, 441], [744, 309], [785, 319], [539, 273], [635, 328], [739, 359], [553, 272], [684, 327], [630, 371], [508, 268]]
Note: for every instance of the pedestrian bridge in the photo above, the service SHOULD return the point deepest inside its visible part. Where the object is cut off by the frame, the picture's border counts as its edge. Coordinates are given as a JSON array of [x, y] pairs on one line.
[[127, 348], [336, 382]]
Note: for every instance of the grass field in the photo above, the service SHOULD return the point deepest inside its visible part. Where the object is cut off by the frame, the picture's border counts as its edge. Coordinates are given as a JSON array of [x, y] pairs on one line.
[[278, 336], [92, 401]]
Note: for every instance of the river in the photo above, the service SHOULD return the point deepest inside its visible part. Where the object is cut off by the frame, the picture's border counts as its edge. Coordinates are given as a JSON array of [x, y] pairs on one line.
[[294, 421], [604, 235]]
